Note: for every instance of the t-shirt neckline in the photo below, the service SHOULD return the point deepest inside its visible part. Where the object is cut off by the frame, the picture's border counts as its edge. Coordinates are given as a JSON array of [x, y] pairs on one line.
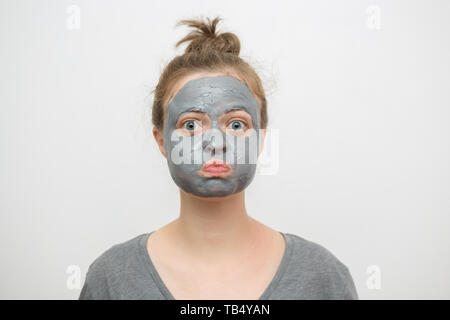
[[147, 261]]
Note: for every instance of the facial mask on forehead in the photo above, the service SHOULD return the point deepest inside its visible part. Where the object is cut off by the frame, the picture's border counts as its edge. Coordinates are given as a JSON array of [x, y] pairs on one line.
[[214, 96]]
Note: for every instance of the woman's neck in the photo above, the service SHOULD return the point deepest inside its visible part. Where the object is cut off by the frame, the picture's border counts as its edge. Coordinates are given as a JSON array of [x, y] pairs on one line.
[[215, 226]]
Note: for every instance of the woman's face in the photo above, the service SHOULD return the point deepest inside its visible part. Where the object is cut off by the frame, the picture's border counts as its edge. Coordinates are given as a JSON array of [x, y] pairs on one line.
[[212, 136]]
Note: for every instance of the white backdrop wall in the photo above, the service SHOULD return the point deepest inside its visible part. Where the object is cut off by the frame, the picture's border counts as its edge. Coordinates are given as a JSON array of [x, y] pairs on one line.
[[359, 90]]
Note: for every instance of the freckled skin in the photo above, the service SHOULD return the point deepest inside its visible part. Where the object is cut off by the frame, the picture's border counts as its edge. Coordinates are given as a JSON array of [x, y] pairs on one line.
[[213, 95]]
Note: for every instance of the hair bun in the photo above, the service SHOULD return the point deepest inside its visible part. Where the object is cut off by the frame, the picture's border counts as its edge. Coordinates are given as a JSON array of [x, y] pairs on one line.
[[204, 37]]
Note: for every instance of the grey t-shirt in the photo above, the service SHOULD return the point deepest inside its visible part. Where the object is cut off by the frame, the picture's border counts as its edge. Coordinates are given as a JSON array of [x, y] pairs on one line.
[[307, 271]]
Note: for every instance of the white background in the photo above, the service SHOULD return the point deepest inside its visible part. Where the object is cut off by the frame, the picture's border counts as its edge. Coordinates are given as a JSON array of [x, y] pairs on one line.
[[363, 116]]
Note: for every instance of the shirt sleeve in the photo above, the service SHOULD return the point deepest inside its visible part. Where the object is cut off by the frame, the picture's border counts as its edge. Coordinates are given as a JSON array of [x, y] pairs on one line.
[[86, 293], [349, 292], [96, 284]]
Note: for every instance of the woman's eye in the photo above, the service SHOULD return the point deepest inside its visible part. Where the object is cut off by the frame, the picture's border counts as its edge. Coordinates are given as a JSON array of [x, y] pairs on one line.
[[191, 125], [236, 125]]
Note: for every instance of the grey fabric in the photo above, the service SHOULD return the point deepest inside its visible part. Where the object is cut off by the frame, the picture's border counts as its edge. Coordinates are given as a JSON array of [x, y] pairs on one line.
[[307, 271]]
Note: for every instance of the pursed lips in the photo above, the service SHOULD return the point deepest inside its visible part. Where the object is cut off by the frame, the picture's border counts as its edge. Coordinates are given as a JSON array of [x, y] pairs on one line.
[[215, 167]]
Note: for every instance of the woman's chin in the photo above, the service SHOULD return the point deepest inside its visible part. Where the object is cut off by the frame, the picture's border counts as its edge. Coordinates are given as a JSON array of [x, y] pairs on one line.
[[213, 189]]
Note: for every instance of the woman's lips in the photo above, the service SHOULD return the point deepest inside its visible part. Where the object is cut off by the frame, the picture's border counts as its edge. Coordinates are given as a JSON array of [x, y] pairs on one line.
[[215, 167]]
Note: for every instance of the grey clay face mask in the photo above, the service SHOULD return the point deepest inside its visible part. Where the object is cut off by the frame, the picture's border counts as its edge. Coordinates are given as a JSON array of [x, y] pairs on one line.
[[214, 96]]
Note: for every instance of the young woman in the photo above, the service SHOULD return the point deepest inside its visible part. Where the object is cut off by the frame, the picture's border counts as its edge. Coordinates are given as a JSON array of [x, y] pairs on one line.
[[206, 100]]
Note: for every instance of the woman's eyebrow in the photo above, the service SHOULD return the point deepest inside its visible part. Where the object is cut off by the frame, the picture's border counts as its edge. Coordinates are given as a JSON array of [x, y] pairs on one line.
[[236, 108], [202, 111], [192, 109]]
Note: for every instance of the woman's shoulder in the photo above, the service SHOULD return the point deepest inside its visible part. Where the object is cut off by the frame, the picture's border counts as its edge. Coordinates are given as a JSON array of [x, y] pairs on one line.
[[315, 266], [111, 267], [118, 253], [314, 254]]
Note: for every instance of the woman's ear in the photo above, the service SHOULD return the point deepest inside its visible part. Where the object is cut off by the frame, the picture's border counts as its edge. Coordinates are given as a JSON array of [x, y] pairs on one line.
[[159, 137], [263, 138]]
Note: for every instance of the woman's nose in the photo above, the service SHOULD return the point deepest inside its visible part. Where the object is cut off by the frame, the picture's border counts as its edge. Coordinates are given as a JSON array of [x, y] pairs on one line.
[[214, 142]]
